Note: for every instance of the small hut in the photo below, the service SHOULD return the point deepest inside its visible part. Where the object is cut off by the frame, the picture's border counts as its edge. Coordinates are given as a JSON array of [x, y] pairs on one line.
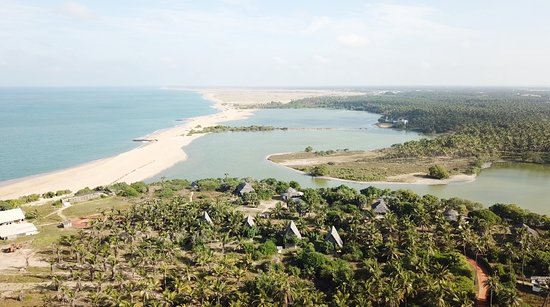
[[244, 188], [334, 238], [194, 186], [530, 231], [207, 218], [249, 221], [291, 193], [379, 208], [67, 224], [451, 215], [292, 231]]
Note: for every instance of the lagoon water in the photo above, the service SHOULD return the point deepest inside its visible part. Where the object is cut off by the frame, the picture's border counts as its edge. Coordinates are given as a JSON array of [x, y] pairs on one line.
[[46, 129], [243, 154]]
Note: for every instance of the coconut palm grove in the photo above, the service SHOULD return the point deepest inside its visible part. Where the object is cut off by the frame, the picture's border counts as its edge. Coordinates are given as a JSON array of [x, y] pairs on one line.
[[212, 242]]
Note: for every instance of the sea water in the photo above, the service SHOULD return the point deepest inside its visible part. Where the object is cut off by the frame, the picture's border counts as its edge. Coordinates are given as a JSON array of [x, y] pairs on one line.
[[47, 129]]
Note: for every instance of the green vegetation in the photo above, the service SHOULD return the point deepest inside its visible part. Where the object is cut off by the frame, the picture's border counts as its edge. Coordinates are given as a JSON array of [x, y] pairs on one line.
[[162, 251], [84, 191], [438, 172], [318, 170], [489, 125], [222, 129], [14, 203], [368, 166]]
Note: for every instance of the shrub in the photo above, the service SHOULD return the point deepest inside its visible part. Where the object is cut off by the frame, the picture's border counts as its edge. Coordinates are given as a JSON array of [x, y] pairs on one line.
[[319, 170], [438, 172], [84, 191]]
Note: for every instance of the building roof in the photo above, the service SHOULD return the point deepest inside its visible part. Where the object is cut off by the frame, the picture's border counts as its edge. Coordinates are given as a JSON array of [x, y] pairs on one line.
[[529, 230], [249, 221], [292, 230], [244, 187], [334, 237], [290, 193], [380, 207], [207, 217], [451, 215], [17, 229], [11, 215]]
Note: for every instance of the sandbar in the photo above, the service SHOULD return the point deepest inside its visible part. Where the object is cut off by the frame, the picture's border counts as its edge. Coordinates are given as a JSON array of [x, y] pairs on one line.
[[152, 158]]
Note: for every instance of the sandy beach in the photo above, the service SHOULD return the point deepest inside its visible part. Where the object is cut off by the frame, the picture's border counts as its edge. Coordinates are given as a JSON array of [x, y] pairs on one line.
[[154, 157]]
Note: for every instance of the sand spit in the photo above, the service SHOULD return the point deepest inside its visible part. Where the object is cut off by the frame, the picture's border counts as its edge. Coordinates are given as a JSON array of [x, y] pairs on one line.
[[154, 157]]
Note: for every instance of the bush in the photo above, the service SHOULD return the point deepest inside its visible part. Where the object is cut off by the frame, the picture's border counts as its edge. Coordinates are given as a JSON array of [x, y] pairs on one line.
[[308, 149], [438, 172], [48, 194], [266, 249], [84, 191], [62, 192], [319, 170]]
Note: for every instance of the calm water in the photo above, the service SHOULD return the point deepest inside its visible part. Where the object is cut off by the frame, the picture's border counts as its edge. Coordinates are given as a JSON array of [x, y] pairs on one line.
[[46, 129], [243, 155]]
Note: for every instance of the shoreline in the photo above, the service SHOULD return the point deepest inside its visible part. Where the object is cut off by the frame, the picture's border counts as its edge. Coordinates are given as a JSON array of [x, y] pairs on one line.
[[460, 178], [151, 158], [137, 164]]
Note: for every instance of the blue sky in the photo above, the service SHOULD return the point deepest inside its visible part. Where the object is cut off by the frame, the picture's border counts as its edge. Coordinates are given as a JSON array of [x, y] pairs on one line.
[[274, 43]]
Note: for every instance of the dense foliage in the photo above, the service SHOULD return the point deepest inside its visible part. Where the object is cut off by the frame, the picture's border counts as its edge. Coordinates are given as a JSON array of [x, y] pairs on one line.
[[222, 128], [488, 124], [165, 252]]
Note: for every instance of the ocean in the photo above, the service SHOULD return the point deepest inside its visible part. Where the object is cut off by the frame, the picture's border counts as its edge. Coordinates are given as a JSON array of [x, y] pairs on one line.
[[48, 129]]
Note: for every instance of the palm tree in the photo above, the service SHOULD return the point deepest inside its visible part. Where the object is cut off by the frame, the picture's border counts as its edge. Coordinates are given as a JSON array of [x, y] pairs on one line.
[[493, 284]]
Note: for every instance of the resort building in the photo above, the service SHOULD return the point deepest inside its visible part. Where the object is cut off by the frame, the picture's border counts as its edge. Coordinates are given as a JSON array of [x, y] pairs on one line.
[[249, 221], [530, 231], [540, 283], [451, 215], [244, 188], [207, 218], [292, 230], [11, 216], [334, 238], [379, 208], [13, 225], [291, 193]]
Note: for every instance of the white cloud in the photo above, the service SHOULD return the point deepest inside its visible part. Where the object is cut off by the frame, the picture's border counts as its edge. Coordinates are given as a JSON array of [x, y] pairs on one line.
[[279, 60], [321, 59], [353, 40], [76, 10]]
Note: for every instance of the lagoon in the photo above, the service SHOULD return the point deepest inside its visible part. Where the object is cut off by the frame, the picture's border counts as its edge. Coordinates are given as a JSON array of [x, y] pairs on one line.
[[243, 154]]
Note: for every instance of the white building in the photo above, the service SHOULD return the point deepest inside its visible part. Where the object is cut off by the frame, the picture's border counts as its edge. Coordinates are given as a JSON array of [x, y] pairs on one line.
[[12, 231], [13, 225], [11, 216]]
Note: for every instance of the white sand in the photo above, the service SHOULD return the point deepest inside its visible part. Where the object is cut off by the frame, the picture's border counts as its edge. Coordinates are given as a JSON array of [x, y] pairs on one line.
[[154, 157]]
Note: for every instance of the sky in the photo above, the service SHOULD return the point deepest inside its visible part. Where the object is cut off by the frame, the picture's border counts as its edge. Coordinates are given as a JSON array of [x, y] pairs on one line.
[[299, 43]]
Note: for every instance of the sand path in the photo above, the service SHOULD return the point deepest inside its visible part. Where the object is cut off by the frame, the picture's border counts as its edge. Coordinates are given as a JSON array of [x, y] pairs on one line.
[[481, 278]]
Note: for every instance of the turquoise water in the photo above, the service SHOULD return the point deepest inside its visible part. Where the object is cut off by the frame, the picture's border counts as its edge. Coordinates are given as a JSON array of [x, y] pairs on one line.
[[243, 155], [46, 129]]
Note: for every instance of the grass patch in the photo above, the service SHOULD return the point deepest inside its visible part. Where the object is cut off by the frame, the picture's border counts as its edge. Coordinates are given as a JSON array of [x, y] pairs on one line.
[[48, 235], [42, 211], [30, 298], [95, 206], [23, 278], [368, 165], [528, 297]]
